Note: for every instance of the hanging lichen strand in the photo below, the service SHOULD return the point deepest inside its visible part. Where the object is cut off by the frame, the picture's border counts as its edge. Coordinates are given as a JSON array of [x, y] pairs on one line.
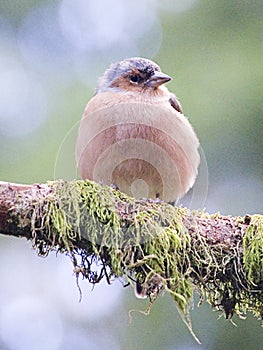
[[155, 245]]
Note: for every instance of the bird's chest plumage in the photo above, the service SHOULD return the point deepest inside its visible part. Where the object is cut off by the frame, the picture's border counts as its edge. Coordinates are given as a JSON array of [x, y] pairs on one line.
[[145, 148]]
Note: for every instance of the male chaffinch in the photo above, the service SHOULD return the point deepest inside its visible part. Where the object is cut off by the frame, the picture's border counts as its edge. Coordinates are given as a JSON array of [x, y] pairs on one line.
[[133, 134]]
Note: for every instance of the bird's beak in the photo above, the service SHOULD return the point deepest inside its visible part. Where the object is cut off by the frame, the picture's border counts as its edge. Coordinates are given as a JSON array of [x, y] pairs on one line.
[[158, 79]]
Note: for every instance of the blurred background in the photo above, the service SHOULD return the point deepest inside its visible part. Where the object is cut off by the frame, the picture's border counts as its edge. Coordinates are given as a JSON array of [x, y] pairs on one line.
[[52, 53]]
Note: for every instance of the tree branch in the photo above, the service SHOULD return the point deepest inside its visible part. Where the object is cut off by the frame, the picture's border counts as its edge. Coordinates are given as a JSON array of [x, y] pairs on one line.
[[153, 245]]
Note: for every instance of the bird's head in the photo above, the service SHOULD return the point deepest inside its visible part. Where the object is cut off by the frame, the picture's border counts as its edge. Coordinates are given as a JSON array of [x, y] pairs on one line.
[[133, 74]]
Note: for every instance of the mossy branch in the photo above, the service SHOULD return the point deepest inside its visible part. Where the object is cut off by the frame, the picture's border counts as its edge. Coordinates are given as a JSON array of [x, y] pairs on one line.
[[153, 245]]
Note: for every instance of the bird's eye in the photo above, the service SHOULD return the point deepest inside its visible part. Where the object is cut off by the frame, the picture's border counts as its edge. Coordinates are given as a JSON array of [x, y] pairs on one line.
[[135, 78]]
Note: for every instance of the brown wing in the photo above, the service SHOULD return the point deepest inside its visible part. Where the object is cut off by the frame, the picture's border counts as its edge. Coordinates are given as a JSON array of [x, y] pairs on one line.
[[175, 103]]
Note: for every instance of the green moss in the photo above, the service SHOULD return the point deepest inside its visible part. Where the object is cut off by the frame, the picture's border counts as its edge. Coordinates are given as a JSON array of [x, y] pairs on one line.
[[143, 241], [253, 264], [164, 254], [80, 210], [228, 277], [147, 244], [253, 250]]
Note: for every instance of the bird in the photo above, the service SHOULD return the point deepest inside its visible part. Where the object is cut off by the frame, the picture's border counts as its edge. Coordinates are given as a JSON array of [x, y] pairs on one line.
[[133, 134]]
